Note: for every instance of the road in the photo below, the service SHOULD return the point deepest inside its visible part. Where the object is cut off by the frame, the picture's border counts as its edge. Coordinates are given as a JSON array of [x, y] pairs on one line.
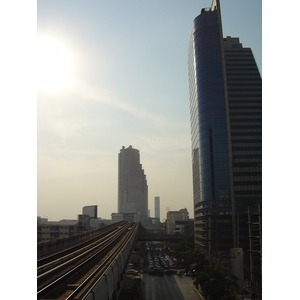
[[169, 287]]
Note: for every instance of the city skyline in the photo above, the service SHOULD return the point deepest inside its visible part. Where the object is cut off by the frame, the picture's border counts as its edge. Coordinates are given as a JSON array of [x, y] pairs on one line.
[[129, 86]]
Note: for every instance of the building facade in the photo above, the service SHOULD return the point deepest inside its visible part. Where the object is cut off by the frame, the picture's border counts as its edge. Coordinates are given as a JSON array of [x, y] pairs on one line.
[[54, 230], [157, 208], [173, 216], [226, 133], [132, 183], [96, 223], [116, 217], [184, 227], [91, 211]]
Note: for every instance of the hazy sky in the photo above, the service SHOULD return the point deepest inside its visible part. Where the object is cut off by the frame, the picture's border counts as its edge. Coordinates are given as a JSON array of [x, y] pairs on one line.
[[113, 74]]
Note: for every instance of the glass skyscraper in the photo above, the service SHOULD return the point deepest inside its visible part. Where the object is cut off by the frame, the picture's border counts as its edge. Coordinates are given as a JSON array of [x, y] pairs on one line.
[[226, 134], [132, 183]]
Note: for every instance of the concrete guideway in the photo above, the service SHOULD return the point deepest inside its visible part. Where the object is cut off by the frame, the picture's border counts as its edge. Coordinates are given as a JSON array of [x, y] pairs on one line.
[[90, 272]]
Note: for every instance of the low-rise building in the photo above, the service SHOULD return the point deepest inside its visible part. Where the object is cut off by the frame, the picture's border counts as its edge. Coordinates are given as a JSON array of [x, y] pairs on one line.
[[54, 230], [184, 227], [41, 220], [91, 211], [117, 217], [96, 223], [172, 217]]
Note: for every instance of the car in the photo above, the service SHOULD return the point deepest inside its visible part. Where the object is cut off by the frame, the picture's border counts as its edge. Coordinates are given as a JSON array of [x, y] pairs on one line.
[[132, 272]]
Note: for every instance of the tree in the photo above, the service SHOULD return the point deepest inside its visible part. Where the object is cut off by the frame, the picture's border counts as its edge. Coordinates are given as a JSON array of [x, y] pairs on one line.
[[214, 283], [184, 251], [210, 275]]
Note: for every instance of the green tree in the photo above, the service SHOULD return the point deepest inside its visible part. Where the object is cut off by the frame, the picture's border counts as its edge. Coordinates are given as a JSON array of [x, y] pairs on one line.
[[183, 251], [209, 275], [186, 244], [214, 283]]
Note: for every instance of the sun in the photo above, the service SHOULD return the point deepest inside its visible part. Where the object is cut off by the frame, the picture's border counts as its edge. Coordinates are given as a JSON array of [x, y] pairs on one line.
[[55, 65]]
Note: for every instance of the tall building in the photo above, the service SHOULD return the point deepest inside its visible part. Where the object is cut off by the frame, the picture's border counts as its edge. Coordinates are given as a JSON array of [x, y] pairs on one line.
[[226, 133], [157, 207], [132, 183]]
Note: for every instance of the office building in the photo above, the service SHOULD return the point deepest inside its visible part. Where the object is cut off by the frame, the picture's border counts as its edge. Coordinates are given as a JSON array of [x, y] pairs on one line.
[[157, 208], [184, 227], [132, 183], [90, 211], [173, 216], [226, 133]]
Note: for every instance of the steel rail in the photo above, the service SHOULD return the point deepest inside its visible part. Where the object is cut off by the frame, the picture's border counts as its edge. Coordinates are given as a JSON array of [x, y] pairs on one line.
[[68, 275], [42, 260], [90, 282], [63, 264], [73, 271], [77, 253]]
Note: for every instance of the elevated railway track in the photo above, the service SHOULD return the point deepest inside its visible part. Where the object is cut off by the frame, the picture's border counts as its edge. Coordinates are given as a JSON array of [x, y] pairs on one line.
[[90, 268]]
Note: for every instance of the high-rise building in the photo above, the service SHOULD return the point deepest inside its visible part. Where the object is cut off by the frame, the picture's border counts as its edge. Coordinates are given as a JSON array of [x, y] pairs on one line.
[[226, 133], [132, 183], [157, 207]]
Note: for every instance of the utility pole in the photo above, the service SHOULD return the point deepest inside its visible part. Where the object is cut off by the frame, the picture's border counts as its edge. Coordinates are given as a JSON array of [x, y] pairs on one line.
[[250, 246], [255, 227], [260, 235], [237, 231], [209, 237]]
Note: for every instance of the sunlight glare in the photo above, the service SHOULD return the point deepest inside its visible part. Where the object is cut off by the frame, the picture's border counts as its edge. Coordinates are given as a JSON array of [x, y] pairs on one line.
[[54, 65]]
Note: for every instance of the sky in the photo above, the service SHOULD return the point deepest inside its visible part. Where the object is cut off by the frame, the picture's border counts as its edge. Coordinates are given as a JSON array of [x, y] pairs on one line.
[[113, 74], [43, 161]]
